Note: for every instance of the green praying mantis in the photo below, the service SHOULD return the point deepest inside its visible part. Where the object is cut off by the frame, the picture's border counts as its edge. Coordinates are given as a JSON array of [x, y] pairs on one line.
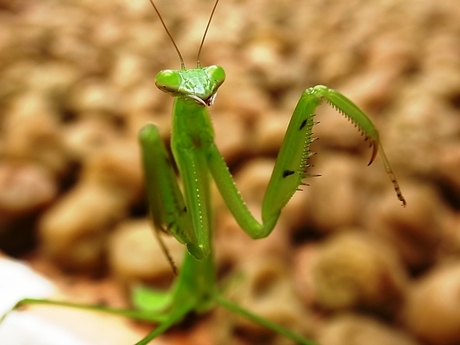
[[185, 212]]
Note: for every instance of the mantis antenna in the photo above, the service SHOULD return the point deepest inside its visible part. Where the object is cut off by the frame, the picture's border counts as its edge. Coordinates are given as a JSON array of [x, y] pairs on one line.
[[182, 64], [198, 63]]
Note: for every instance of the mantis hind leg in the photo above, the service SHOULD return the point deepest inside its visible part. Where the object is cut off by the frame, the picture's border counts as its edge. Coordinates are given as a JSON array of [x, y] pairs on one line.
[[152, 315]]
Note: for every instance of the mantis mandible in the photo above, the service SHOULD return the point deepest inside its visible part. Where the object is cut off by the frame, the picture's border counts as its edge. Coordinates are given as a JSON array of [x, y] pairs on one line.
[[186, 214]]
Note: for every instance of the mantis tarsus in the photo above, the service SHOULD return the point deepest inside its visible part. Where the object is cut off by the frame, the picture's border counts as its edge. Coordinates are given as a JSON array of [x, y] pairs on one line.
[[186, 215]]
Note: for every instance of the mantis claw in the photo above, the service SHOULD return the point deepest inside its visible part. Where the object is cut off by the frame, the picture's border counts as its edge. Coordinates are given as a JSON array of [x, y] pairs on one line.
[[375, 149]]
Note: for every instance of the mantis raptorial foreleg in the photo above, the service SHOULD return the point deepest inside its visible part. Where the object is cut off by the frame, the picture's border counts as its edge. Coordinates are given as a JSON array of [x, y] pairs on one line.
[[291, 164]]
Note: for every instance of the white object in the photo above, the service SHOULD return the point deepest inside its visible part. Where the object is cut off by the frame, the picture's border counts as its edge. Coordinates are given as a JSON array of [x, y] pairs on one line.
[[17, 281], [24, 329]]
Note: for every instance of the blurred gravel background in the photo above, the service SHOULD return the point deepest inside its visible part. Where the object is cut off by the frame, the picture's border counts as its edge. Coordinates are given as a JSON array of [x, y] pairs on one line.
[[346, 264]]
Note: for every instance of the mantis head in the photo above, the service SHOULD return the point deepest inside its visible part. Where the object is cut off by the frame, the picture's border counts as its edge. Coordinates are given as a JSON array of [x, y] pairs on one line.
[[199, 84]]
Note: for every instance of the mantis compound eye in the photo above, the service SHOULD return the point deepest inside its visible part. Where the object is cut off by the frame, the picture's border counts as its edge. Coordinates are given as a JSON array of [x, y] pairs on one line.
[[216, 73], [168, 81]]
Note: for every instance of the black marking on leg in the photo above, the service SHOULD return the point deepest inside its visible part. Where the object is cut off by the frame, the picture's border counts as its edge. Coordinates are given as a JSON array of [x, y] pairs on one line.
[[302, 125], [287, 173]]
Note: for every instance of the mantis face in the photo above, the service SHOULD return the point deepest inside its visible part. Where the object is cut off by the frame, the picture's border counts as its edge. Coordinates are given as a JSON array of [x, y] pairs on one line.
[[199, 84]]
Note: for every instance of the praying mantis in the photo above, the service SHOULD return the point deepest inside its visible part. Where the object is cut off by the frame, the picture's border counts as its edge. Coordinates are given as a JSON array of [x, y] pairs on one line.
[[185, 212]]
